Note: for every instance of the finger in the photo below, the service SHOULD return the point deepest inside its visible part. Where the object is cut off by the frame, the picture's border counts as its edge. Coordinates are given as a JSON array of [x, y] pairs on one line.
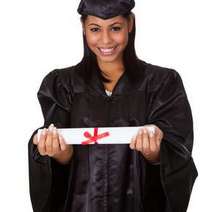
[[159, 136], [42, 134], [41, 143], [146, 146], [55, 142], [49, 140], [62, 143], [152, 141], [139, 140], [132, 142], [35, 139]]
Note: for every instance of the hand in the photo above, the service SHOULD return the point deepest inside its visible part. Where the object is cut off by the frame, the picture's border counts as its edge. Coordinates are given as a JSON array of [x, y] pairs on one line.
[[148, 143], [53, 145]]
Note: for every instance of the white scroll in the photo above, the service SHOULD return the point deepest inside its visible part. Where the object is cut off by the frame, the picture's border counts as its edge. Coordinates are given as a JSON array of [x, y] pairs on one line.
[[101, 135]]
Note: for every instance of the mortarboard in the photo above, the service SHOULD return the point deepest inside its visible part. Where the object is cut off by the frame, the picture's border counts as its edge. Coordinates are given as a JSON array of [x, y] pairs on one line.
[[105, 8]]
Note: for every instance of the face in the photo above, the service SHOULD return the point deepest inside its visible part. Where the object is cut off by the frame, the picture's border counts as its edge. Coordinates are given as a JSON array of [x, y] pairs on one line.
[[107, 38]]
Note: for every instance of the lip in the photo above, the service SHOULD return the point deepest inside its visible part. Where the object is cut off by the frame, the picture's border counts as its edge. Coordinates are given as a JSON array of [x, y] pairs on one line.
[[107, 51]]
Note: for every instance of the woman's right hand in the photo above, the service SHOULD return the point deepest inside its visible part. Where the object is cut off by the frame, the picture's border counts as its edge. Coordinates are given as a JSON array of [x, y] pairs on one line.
[[52, 144]]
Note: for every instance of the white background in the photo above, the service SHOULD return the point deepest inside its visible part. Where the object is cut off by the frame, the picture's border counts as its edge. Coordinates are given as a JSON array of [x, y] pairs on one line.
[[38, 36]]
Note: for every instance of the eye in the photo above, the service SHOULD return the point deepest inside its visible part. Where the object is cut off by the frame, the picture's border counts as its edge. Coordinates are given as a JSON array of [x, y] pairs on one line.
[[116, 28], [95, 29]]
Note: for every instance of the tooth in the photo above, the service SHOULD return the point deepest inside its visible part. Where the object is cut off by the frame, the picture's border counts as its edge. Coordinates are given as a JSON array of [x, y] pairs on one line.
[[107, 50]]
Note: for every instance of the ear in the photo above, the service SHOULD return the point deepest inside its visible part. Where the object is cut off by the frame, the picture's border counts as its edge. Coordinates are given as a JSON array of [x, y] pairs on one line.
[[131, 22]]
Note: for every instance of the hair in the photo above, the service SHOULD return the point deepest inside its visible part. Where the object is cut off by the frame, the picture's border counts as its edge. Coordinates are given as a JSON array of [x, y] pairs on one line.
[[130, 59]]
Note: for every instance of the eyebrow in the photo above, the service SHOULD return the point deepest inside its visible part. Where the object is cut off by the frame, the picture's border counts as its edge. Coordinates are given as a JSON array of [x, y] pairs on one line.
[[109, 25]]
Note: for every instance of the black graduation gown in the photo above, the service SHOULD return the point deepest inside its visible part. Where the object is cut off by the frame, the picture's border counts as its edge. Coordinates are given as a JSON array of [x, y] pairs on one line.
[[115, 178]]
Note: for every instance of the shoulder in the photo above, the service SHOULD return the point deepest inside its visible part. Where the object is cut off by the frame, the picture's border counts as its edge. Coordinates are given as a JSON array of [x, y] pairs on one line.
[[62, 74], [61, 78], [152, 70], [157, 76]]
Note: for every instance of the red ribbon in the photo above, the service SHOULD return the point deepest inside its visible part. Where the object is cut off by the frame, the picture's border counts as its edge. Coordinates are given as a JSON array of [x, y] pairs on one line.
[[95, 136]]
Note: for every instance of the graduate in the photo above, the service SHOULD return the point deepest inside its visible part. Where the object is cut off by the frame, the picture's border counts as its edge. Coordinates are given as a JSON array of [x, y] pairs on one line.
[[112, 87]]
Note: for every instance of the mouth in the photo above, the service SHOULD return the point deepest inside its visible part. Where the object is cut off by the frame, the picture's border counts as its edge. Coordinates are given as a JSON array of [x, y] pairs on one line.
[[107, 51]]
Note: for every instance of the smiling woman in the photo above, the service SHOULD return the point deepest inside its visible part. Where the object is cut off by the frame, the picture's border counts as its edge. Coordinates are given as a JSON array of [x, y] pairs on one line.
[[107, 39], [112, 87]]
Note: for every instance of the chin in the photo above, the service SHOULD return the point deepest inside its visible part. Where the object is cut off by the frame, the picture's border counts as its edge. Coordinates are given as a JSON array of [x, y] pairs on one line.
[[108, 59]]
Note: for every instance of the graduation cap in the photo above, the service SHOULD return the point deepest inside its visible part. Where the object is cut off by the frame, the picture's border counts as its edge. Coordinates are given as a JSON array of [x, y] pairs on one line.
[[105, 8]]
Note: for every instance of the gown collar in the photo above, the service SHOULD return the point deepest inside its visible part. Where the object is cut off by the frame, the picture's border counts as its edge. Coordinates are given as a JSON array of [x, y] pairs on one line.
[[122, 86]]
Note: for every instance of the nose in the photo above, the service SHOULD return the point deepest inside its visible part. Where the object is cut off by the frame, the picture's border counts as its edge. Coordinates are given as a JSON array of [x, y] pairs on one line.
[[106, 38]]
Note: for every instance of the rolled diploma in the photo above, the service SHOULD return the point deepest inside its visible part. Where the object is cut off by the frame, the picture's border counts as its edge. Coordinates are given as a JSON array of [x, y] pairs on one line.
[[114, 135]]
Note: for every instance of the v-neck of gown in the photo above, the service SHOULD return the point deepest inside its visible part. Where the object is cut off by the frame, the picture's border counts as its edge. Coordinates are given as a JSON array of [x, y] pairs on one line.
[[120, 87]]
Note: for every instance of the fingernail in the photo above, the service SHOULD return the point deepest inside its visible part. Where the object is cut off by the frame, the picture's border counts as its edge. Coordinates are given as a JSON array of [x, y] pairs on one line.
[[151, 134], [51, 126], [131, 146], [144, 130], [140, 131], [44, 131], [54, 131]]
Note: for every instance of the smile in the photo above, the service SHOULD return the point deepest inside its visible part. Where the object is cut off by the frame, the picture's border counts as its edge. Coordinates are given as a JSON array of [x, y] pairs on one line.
[[107, 51]]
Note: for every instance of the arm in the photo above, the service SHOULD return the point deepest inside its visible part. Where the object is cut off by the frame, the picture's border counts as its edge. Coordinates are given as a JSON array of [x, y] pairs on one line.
[[48, 178], [169, 109]]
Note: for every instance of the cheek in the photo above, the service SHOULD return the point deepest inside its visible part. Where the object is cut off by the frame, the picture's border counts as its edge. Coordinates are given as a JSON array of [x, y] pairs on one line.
[[91, 40], [122, 39]]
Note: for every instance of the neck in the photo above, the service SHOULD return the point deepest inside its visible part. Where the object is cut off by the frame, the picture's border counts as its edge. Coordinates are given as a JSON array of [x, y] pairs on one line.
[[111, 70]]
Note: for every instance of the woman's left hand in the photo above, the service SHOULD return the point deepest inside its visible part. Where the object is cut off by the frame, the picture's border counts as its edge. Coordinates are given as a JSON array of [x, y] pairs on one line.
[[148, 143]]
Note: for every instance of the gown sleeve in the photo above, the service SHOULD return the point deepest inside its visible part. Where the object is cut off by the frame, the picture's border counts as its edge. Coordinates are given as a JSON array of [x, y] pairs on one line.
[[48, 179], [169, 109]]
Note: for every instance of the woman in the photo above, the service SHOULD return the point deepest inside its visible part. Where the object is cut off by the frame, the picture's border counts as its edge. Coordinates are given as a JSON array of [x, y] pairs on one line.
[[112, 87]]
